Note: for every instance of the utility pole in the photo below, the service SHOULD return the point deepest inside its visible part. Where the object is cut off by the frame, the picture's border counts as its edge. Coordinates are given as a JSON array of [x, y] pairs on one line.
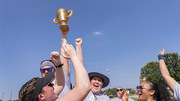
[[11, 96]]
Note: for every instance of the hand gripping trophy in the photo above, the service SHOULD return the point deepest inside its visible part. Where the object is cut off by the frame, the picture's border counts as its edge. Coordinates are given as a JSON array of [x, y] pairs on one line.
[[62, 17]]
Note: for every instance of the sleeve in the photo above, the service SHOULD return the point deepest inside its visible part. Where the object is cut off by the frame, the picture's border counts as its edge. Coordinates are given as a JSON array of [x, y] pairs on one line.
[[67, 80], [177, 91], [90, 97], [67, 86]]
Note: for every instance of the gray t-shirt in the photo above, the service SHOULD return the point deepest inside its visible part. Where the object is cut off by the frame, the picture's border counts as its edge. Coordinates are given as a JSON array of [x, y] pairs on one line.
[[67, 86], [96, 97], [118, 99], [177, 91]]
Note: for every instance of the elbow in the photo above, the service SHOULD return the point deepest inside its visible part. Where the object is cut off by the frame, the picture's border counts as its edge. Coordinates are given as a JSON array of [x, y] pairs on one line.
[[88, 87], [85, 88]]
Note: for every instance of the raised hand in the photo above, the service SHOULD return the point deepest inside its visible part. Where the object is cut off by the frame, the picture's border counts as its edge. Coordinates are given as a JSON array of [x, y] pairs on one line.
[[162, 52], [124, 95], [55, 58], [69, 51], [78, 41]]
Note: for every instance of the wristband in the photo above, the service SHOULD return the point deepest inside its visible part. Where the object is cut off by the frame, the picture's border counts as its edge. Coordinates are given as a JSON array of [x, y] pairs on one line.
[[161, 57], [59, 66]]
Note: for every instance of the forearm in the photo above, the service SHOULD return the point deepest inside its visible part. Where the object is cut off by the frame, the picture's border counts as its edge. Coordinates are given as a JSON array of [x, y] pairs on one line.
[[82, 87], [59, 81], [66, 65], [79, 53], [63, 39], [81, 77], [64, 60], [165, 74]]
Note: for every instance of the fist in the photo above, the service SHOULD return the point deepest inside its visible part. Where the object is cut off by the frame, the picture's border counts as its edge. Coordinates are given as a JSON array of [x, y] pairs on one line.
[[55, 58], [78, 41]]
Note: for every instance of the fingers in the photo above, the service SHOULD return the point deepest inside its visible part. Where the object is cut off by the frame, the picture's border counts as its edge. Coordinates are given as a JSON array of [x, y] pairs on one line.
[[67, 51], [54, 53], [122, 94], [78, 41], [161, 52]]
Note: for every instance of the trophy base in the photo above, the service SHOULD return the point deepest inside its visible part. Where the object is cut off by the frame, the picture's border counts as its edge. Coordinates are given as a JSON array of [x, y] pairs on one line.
[[64, 28]]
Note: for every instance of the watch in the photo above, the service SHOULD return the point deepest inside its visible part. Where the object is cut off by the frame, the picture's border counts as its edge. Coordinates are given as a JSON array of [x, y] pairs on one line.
[[59, 66]]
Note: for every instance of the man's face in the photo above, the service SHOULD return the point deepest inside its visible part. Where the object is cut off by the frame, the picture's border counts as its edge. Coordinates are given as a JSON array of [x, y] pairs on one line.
[[119, 92], [48, 92], [96, 84], [46, 69]]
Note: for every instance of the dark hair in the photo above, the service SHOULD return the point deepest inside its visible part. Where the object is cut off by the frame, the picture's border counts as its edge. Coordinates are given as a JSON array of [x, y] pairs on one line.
[[27, 90], [161, 92]]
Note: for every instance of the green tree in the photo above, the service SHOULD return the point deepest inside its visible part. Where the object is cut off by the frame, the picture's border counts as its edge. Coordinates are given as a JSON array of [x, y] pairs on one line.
[[152, 72], [173, 64], [111, 92]]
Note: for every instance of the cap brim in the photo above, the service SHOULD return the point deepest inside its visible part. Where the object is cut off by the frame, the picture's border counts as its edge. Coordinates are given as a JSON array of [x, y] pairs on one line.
[[41, 82], [104, 78]]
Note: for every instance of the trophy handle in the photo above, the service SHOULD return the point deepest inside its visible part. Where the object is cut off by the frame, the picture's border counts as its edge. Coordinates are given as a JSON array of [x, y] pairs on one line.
[[71, 12], [55, 21]]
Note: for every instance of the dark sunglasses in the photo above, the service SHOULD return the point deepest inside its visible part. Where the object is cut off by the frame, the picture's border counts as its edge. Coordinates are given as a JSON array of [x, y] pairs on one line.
[[119, 90], [44, 69], [50, 84], [140, 88]]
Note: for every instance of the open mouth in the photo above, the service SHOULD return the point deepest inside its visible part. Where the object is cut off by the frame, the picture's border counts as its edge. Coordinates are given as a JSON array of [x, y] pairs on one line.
[[139, 93], [95, 85]]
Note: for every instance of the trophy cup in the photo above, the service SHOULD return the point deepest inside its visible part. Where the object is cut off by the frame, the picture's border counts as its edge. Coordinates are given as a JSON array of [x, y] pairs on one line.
[[62, 17]]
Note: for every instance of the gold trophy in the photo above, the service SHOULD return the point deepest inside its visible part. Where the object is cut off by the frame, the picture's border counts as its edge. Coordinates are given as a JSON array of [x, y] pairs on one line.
[[62, 17]]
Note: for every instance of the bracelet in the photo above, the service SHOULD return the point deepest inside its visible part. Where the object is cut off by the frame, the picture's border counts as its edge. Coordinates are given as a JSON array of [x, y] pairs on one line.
[[161, 57], [59, 66]]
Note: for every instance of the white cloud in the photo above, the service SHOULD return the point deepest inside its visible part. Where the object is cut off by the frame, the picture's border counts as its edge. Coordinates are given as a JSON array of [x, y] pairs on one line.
[[97, 33]]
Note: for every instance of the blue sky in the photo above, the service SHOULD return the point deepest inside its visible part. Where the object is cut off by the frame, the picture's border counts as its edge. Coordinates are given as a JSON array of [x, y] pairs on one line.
[[120, 35]]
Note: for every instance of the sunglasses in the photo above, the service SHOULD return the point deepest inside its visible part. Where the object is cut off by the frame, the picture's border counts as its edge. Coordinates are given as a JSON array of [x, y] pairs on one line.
[[119, 90], [50, 84], [44, 69], [140, 88]]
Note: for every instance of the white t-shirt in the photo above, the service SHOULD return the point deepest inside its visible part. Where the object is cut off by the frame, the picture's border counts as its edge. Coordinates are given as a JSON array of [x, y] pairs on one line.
[[118, 99], [177, 91], [96, 97]]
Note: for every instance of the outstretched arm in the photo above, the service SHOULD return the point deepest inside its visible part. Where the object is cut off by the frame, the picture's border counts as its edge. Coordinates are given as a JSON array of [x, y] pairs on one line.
[[64, 60], [78, 43], [82, 87], [59, 82], [164, 71]]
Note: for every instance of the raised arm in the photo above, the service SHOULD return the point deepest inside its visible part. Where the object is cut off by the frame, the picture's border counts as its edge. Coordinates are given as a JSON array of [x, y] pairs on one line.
[[82, 87], [164, 71], [66, 68], [59, 82], [79, 53]]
